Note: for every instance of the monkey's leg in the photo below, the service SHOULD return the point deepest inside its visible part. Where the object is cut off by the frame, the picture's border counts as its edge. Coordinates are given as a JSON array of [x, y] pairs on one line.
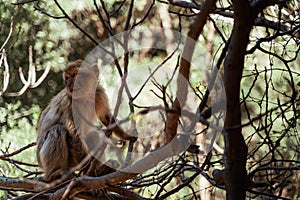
[[99, 169], [53, 154]]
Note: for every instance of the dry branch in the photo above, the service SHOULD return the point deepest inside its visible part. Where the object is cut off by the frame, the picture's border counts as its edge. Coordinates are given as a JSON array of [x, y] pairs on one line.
[[184, 70], [31, 81]]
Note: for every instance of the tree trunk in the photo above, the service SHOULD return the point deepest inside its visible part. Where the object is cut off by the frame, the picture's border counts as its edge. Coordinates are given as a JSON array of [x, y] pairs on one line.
[[235, 176]]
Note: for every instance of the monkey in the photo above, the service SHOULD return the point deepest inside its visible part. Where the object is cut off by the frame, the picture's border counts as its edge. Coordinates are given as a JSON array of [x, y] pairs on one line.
[[60, 131]]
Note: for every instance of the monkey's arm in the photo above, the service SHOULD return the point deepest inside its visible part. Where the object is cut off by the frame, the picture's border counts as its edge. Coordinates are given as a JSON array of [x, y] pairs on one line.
[[105, 116], [108, 120]]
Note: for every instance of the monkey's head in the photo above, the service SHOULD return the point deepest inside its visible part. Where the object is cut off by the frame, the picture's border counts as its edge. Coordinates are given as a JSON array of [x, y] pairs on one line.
[[70, 74], [86, 77]]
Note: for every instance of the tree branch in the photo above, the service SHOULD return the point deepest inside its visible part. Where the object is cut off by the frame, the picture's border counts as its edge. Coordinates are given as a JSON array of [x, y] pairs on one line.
[[184, 70]]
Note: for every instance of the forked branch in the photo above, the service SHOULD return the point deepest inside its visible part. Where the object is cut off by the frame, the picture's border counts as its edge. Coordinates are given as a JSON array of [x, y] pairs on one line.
[[31, 81]]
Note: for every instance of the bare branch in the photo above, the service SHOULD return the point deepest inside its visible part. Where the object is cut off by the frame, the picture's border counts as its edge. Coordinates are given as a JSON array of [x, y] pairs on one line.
[[31, 77], [24, 2], [8, 37], [18, 151], [184, 70], [185, 4], [5, 73]]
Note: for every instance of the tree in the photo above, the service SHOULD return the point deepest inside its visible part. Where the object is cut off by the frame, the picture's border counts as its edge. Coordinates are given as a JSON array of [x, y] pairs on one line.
[[255, 50]]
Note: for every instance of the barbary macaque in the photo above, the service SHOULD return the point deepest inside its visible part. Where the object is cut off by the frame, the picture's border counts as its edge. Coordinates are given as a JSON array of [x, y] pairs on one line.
[[68, 119]]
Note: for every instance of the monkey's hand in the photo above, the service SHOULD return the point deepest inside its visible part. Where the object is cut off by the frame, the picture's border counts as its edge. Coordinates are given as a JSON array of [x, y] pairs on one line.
[[123, 135], [130, 138]]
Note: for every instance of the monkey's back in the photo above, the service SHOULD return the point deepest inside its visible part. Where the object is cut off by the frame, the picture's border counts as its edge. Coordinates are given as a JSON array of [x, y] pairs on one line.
[[58, 143]]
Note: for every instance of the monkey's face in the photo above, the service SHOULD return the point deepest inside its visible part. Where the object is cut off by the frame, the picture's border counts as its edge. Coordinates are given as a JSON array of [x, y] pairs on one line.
[[86, 77]]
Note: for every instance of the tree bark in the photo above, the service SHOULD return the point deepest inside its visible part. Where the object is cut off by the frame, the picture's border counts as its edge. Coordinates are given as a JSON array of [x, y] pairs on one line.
[[184, 70], [235, 176]]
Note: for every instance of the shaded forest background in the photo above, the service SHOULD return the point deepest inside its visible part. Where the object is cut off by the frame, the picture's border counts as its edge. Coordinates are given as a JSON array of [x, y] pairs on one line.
[[269, 95]]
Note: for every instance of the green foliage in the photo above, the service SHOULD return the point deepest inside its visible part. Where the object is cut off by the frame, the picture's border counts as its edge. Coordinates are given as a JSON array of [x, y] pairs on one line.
[[18, 129]]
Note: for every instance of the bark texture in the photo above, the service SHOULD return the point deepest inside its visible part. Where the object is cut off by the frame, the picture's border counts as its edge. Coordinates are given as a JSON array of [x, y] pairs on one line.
[[235, 175]]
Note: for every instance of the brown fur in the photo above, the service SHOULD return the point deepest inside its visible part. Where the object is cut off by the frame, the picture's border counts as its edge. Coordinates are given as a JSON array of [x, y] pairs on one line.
[[59, 146]]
